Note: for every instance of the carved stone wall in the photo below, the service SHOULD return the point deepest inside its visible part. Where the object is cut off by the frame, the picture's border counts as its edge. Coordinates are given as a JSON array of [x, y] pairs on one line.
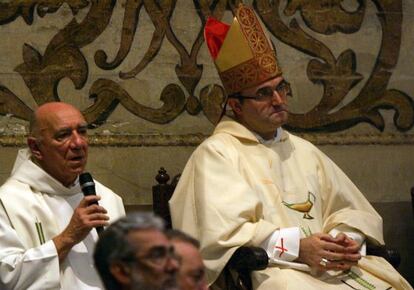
[[141, 74]]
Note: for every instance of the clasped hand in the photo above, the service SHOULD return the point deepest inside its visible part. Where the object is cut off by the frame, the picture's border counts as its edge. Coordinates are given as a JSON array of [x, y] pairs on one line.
[[341, 252]]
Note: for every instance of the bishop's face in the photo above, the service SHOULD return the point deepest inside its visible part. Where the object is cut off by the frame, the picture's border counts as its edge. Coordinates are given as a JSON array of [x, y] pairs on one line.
[[263, 108]]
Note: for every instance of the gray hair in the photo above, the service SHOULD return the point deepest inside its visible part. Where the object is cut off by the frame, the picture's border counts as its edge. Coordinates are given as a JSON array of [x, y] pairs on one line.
[[177, 235], [113, 245]]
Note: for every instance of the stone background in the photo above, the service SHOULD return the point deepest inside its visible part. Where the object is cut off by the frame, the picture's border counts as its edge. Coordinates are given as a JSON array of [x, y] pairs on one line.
[[379, 162]]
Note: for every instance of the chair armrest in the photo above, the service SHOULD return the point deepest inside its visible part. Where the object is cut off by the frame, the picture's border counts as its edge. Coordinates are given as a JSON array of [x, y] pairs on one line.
[[391, 255], [249, 259], [243, 262]]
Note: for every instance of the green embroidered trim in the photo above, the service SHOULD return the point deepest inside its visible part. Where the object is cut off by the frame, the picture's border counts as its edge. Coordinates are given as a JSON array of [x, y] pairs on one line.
[[40, 234], [306, 233], [5, 211], [349, 285], [361, 281]]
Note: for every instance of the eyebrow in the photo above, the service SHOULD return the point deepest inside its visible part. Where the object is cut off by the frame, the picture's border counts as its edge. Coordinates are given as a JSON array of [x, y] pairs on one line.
[[68, 129], [79, 126], [283, 82]]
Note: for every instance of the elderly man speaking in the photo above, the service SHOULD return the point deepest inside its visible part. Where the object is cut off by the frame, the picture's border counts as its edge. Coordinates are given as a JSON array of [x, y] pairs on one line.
[[46, 236]]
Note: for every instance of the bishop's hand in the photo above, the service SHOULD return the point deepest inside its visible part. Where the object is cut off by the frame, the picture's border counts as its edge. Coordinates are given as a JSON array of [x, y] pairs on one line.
[[323, 252]]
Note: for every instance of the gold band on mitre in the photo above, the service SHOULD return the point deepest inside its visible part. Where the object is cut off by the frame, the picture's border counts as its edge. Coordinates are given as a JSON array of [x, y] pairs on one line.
[[242, 53]]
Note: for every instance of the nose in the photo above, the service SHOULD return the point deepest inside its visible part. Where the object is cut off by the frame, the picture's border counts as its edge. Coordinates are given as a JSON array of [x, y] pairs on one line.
[[172, 264], [77, 140], [203, 285], [277, 98]]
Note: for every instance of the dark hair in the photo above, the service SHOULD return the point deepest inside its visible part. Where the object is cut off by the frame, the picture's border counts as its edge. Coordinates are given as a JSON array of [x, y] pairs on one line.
[[183, 237], [113, 245]]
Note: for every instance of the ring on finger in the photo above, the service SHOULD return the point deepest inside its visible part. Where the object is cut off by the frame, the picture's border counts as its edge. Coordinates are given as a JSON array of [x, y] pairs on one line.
[[323, 262]]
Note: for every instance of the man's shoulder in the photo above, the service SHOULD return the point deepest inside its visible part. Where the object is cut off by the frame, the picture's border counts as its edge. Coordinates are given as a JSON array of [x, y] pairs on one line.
[[14, 185], [112, 202], [301, 142], [103, 188], [217, 142]]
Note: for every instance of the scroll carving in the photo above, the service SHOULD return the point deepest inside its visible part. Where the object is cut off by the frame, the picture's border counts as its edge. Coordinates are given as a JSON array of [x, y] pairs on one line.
[[63, 58], [10, 10]]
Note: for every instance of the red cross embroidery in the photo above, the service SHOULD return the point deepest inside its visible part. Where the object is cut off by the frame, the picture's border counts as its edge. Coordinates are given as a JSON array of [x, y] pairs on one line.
[[282, 248]]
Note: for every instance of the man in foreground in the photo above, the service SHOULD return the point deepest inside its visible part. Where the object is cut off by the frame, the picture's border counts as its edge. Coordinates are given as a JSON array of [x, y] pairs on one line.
[[134, 254], [47, 231], [254, 184], [191, 275]]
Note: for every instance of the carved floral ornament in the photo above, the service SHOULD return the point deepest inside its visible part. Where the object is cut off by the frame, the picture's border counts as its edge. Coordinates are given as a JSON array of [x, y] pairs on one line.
[[63, 58]]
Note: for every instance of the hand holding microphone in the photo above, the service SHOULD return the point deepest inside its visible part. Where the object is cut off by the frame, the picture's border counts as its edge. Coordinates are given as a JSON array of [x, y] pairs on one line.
[[86, 215], [88, 188]]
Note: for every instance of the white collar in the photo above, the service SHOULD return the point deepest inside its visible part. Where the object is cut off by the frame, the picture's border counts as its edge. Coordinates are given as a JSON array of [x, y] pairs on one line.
[[275, 139], [26, 171]]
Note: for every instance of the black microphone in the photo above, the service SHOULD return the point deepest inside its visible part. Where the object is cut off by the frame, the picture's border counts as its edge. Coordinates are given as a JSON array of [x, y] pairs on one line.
[[88, 188]]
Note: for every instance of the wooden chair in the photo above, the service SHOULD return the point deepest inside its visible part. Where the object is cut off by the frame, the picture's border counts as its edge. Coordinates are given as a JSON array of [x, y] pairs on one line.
[[245, 259], [412, 199]]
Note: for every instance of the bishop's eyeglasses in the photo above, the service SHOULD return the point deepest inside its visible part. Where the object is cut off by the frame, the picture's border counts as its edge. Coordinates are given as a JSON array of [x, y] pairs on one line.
[[266, 93]]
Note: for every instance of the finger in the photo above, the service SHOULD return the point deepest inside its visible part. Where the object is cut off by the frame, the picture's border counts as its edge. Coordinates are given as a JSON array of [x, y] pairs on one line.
[[95, 220], [352, 257], [326, 237], [340, 265], [333, 256], [94, 208], [93, 198], [353, 250], [333, 247], [341, 238], [87, 200], [98, 223], [98, 217]]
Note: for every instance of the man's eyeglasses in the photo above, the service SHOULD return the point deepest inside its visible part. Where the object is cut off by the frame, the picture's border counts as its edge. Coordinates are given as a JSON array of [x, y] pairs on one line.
[[158, 255], [266, 93]]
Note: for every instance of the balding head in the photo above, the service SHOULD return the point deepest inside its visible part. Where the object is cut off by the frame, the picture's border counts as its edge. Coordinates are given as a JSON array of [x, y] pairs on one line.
[[42, 112], [58, 140]]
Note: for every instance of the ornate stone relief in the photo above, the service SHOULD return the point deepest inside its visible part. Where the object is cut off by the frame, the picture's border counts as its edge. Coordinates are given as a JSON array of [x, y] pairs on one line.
[[63, 58]]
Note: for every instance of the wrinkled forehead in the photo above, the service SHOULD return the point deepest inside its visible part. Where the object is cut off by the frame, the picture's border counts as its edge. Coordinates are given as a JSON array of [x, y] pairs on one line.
[[59, 119], [147, 239]]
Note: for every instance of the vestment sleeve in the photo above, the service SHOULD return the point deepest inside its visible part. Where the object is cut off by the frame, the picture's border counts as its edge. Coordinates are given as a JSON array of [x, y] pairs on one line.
[[343, 203], [215, 204], [283, 244], [35, 268]]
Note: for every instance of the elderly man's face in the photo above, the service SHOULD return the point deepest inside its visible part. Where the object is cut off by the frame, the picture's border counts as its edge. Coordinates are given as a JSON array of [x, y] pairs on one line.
[[155, 266], [62, 144], [191, 274]]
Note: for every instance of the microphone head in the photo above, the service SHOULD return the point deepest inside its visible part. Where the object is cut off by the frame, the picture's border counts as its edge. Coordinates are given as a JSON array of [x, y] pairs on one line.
[[86, 182]]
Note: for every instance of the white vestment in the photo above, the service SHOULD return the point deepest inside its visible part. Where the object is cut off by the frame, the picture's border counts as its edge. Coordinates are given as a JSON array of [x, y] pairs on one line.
[[236, 191], [34, 209]]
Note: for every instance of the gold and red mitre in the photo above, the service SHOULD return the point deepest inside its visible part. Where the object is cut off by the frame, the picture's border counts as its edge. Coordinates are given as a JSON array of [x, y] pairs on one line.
[[241, 51]]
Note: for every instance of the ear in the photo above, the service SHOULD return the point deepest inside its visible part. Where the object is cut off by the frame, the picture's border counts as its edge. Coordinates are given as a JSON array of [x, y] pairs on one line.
[[33, 144], [235, 106], [121, 273]]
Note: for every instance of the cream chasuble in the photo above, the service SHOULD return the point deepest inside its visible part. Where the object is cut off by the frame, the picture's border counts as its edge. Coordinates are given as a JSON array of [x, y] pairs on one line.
[[235, 191], [34, 209]]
